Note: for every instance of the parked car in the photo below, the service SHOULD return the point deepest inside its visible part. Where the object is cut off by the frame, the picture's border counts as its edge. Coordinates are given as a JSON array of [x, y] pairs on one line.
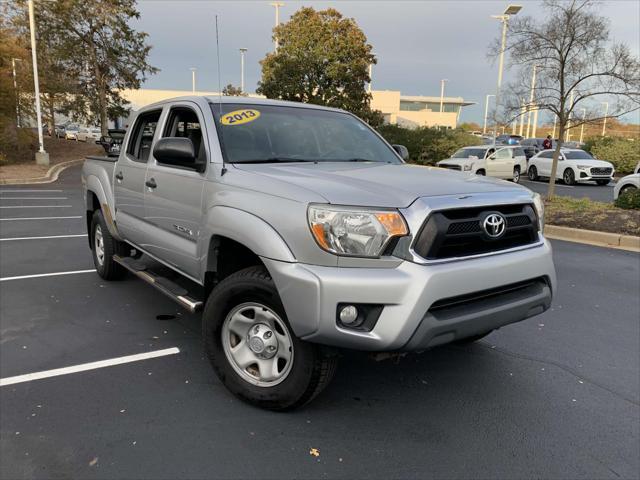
[[574, 165], [71, 132], [505, 139], [87, 134], [304, 231], [494, 161], [112, 142], [60, 131], [531, 146], [630, 182]]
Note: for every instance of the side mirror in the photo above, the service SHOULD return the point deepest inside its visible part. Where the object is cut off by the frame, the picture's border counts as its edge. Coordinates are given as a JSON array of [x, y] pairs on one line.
[[402, 151], [176, 151]]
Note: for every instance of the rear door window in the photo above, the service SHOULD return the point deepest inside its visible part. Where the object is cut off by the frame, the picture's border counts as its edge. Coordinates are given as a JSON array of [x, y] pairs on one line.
[[139, 147]]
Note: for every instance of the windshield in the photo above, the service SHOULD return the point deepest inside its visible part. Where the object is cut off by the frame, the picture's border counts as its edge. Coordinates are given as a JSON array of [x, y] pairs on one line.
[[577, 155], [270, 133], [469, 152]]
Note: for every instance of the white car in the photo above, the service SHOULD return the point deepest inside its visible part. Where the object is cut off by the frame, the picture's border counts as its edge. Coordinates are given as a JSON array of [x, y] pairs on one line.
[[502, 161], [86, 134], [71, 132], [574, 165], [630, 182]]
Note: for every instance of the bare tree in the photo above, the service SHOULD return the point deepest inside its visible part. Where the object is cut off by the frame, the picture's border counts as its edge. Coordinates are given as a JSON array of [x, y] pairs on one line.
[[578, 69]]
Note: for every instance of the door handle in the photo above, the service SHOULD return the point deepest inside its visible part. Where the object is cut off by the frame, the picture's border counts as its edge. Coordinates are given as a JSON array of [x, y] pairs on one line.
[[119, 176], [151, 183]]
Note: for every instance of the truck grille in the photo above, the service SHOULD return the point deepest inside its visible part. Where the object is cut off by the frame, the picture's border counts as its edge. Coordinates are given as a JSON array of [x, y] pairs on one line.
[[450, 167], [459, 232], [601, 171]]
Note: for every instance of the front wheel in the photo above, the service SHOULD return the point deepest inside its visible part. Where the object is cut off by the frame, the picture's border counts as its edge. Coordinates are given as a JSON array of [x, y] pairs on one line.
[[569, 177], [481, 172], [602, 182], [252, 348], [533, 173]]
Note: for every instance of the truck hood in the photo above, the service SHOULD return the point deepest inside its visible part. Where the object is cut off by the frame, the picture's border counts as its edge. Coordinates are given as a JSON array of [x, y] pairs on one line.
[[371, 184]]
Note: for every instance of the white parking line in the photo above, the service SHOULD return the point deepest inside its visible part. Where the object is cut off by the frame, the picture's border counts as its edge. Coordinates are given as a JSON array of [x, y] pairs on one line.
[[83, 367], [36, 218], [39, 275], [34, 198], [41, 238], [38, 206], [20, 190]]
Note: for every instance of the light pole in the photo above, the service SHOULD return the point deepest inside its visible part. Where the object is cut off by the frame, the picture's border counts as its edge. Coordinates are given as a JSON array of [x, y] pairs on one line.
[[277, 6], [15, 87], [523, 112], [193, 79], [442, 82], [486, 111], [584, 115], [42, 157], [531, 95], [242, 52], [555, 121], [504, 18], [604, 122], [568, 135], [534, 129]]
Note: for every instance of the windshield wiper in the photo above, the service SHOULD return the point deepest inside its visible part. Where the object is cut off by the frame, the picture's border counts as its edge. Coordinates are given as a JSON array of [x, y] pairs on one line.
[[274, 160], [362, 160]]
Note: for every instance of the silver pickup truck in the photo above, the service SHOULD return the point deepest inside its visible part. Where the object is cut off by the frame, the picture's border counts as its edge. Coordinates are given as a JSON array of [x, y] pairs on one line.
[[299, 231]]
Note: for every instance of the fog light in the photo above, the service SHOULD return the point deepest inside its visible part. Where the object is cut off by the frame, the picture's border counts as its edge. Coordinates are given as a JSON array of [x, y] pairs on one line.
[[348, 314]]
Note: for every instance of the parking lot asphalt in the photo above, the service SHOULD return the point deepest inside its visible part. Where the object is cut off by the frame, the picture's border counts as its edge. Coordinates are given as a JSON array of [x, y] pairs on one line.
[[598, 193], [555, 396]]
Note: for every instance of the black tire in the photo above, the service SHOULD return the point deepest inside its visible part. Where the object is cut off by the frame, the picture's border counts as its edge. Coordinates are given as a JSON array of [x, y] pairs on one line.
[[311, 368], [472, 339], [106, 268], [532, 173], [626, 189], [516, 175], [481, 172], [569, 177], [602, 183]]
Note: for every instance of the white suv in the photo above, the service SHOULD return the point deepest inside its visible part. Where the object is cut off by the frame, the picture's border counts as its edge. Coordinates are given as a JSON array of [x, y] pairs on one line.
[[500, 161], [574, 165]]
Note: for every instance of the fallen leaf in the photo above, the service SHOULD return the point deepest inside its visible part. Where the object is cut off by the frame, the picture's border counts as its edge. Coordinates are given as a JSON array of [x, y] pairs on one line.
[[93, 462], [314, 452]]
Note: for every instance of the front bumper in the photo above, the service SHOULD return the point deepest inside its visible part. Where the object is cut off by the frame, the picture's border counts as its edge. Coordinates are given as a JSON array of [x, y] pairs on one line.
[[310, 295]]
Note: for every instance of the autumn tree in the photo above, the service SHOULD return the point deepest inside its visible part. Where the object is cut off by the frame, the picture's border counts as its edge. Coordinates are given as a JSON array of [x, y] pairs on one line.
[[232, 91], [578, 68], [95, 45], [322, 58]]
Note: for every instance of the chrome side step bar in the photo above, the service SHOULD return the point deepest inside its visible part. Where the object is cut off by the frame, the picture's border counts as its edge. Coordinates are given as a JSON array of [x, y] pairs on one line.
[[164, 285]]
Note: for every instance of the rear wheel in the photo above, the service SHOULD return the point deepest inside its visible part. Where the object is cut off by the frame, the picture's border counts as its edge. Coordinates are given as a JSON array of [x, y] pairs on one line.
[[533, 173], [252, 348], [104, 247], [602, 182], [569, 177], [481, 172], [516, 175]]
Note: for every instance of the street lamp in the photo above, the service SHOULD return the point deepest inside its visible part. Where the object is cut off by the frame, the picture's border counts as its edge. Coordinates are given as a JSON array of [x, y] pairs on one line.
[[531, 95], [568, 135], [42, 157], [442, 82], [370, 75], [486, 111], [15, 87], [277, 6], [584, 115], [242, 52], [504, 18], [606, 112], [193, 79]]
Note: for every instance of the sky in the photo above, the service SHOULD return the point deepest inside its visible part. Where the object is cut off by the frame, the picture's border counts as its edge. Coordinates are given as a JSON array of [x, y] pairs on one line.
[[417, 43]]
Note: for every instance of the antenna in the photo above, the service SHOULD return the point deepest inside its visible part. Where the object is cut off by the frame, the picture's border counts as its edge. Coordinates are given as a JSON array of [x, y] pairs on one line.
[[219, 96]]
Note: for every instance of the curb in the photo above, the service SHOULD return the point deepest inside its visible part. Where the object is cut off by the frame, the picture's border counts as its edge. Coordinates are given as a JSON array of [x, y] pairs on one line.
[[591, 237], [51, 175]]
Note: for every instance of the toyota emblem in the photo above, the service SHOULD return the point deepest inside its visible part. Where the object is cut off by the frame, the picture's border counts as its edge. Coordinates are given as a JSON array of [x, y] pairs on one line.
[[494, 225]]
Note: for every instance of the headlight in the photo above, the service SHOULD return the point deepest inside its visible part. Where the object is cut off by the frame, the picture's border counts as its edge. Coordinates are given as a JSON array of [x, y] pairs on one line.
[[583, 167], [354, 231], [538, 202], [467, 168]]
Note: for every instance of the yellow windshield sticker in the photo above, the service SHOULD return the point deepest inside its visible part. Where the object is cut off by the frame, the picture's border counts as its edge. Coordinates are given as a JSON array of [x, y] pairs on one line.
[[239, 117]]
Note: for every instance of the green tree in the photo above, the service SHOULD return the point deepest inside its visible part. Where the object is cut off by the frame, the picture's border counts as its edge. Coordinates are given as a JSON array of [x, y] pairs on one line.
[[322, 58], [95, 44]]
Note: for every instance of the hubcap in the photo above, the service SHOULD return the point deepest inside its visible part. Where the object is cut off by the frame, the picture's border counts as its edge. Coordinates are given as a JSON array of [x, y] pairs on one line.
[[257, 344], [98, 243]]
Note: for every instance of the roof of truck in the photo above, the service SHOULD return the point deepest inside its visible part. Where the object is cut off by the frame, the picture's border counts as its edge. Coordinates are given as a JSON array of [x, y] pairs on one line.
[[241, 100]]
